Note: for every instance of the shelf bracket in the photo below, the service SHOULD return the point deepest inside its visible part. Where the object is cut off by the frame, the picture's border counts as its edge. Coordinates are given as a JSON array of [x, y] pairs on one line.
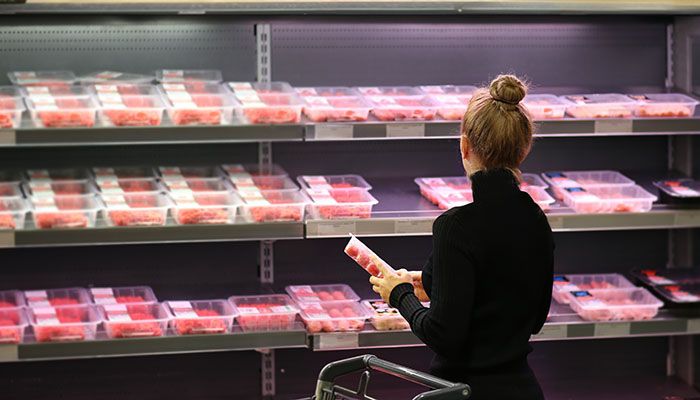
[[264, 59], [267, 369], [267, 270]]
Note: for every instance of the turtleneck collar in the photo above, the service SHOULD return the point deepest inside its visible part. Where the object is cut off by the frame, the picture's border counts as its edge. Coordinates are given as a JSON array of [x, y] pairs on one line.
[[493, 184]]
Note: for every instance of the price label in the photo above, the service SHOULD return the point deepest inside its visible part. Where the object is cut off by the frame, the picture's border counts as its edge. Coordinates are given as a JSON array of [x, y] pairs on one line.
[[612, 329], [556, 222], [336, 228], [694, 326], [689, 218], [9, 352], [405, 130], [7, 238], [8, 136], [338, 341], [557, 331], [613, 126], [413, 226], [333, 131]]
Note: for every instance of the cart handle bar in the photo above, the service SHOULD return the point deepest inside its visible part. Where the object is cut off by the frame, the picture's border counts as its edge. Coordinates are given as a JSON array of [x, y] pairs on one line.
[[336, 369]]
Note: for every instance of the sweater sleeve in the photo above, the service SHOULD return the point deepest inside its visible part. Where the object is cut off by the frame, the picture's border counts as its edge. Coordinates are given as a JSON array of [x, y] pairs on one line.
[[427, 275], [543, 309], [444, 326]]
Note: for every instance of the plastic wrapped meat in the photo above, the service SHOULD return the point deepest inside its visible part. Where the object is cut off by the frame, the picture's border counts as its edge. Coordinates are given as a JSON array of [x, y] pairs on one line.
[[56, 297], [341, 204], [123, 295], [265, 313], [205, 208], [64, 211], [10, 109], [321, 293], [207, 110], [64, 323], [336, 109], [201, 317], [452, 106], [365, 257], [333, 317], [563, 285], [545, 106], [67, 112], [136, 209], [270, 206], [12, 324], [42, 78], [12, 212], [608, 199], [419, 108], [590, 106], [135, 320], [633, 304], [383, 317], [662, 105], [273, 108], [139, 111]]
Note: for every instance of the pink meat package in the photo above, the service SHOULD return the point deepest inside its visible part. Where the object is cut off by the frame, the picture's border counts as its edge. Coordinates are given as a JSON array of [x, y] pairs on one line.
[[365, 257]]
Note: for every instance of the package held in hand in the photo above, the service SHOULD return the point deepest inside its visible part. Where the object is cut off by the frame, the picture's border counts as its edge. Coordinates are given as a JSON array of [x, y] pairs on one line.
[[365, 257]]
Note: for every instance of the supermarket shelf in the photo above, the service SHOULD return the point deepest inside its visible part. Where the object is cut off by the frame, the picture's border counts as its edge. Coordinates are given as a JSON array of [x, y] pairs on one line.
[[165, 234], [567, 327], [553, 128], [356, 7], [150, 346], [150, 135]]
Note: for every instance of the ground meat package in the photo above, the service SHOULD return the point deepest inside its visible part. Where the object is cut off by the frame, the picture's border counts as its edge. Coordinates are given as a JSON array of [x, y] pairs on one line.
[[365, 257]]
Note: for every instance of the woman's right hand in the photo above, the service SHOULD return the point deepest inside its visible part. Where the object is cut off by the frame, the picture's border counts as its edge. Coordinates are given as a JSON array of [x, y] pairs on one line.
[[418, 290]]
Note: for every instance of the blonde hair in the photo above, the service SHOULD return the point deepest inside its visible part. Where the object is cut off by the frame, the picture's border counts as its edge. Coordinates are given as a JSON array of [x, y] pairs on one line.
[[497, 126]]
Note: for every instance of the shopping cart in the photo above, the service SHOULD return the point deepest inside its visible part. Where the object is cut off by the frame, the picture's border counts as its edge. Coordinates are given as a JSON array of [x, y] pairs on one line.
[[326, 389]]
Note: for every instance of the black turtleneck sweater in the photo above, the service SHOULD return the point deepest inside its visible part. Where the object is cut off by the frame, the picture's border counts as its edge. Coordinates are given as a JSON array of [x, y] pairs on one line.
[[489, 279]]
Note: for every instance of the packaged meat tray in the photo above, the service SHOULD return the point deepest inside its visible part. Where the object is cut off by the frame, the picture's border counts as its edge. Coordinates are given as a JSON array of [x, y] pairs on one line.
[[273, 170], [585, 179], [11, 299], [327, 91], [608, 105], [63, 112], [58, 188], [430, 187], [63, 324], [453, 100], [267, 103], [333, 317], [532, 180], [198, 185], [136, 209], [333, 182], [62, 174], [609, 199], [449, 89], [11, 107], [174, 173], [205, 207], [340, 204], [682, 295], [43, 94], [135, 320], [404, 108], [198, 104], [42, 78], [664, 105], [365, 257], [188, 75], [390, 91], [273, 205], [245, 181], [274, 312], [545, 106], [129, 105], [539, 196], [13, 323], [321, 293], [565, 284], [383, 317], [78, 211], [201, 317], [115, 173], [122, 295], [13, 211], [634, 304], [336, 109], [129, 185], [679, 191], [98, 77], [10, 189], [664, 276], [447, 200], [56, 297]]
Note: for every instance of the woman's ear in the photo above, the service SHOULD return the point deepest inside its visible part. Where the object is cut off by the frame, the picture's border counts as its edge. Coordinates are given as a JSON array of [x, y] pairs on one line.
[[464, 147]]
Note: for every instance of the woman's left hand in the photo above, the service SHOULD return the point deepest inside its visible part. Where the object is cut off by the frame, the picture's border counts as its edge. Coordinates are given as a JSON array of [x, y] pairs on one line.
[[389, 281]]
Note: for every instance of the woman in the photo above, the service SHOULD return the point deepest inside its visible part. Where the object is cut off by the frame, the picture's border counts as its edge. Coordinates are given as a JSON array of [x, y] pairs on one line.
[[489, 277]]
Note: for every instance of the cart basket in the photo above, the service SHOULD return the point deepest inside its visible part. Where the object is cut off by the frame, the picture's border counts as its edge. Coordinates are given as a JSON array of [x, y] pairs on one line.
[[327, 390]]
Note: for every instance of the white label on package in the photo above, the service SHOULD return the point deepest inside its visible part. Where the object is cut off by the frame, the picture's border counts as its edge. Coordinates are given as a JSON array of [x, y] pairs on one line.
[[405, 130], [46, 107], [685, 297], [170, 172], [103, 89], [42, 98], [240, 86], [684, 191], [184, 197], [182, 309], [254, 198], [248, 310], [44, 204], [35, 295], [117, 312], [108, 75], [333, 131], [580, 194], [234, 168], [46, 316], [173, 73], [282, 309], [317, 101], [37, 90], [179, 97], [103, 295], [321, 196], [174, 87], [110, 98]]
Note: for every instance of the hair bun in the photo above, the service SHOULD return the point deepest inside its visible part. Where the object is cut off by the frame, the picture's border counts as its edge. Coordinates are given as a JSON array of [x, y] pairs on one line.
[[507, 89]]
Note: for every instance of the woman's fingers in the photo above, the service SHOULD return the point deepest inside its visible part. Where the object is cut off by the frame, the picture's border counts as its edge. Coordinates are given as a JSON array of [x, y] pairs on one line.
[[375, 289], [375, 280]]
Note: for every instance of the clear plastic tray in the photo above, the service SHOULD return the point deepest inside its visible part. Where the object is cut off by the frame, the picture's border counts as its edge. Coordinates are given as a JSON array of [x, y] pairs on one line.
[[64, 211], [136, 209], [11, 107], [679, 190], [609, 199], [57, 297], [58, 188], [565, 284], [114, 173], [42, 78], [333, 182], [129, 105], [205, 109], [389, 91], [274, 312], [243, 182], [333, 317], [449, 89], [114, 77], [404, 108], [64, 324], [664, 276], [336, 109], [273, 205], [198, 185], [63, 112], [57, 174], [189, 75], [201, 317], [123, 295], [365, 257], [10, 189], [533, 180], [130, 185], [608, 105], [188, 172], [545, 106], [135, 320], [267, 103], [664, 105], [585, 179], [255, 170], [383, 317], [430, 187], [321, 293], [452, 106], [13, 323], [11, 299], [13, 211], [341, 204], [447, 200], [43, 94], [205, 208], [539, 196], [327, 91], [633, 304]]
